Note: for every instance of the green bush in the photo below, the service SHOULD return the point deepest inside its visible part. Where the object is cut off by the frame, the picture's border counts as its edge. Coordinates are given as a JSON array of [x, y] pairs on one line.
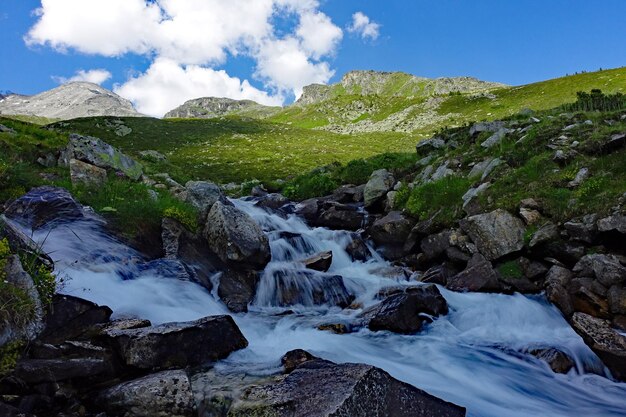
[[441, 197], [358, 171], [310, 185], [511, 270]]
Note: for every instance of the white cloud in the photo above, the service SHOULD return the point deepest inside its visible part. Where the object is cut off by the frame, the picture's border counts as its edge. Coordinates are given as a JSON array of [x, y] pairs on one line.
[[96, 76], [196, 36], [364, 27], [166, 85]]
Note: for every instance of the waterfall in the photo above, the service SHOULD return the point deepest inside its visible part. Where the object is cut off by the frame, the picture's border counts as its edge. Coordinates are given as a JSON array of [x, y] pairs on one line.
[[475, 356]]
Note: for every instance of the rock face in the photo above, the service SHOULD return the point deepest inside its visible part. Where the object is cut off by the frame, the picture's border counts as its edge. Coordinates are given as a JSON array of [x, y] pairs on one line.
[[380, 182], [609, 345], [235, 237], [173, 345], [404, 312], [96, 152], [86, 174], [69, 101], [607, 269], [164, 394], [321, 388], [44, 206], [496, 234], [211, 107]]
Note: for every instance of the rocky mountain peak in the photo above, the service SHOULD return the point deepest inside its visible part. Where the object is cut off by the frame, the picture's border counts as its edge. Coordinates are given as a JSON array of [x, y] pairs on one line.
[[210, 107], [69, 101]]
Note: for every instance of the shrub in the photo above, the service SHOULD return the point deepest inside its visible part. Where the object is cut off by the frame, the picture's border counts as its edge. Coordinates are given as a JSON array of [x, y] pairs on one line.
[[185, 216], [309, 186], [511, 270], [442, 197]]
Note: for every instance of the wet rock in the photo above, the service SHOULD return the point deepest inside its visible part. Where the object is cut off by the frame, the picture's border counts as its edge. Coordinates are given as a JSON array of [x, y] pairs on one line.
[[558, 361], [614, 223], [294, 358], [319, 262], [308, 288], [322, 388], [479, 276], [406, 312], [20, 243], [237, 289], [44, 206], [164, 394], [202, 195], [589, 297], [235, 237], [437, 275], [347, 194], [357, 249], [174, 345], [37, 371], [96, 152], [496, 234], [126, 324], [272, 201], [380, 182], [557, 281], [72, 318], [337, 328], [607, 269], [340, 217], [394, 228], [434, 246], [31, 325], [532, 270], [308, 209], [609, 345], [86, 174]]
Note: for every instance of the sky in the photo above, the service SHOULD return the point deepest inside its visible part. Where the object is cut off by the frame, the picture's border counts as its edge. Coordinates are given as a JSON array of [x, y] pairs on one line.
[[160, 53]]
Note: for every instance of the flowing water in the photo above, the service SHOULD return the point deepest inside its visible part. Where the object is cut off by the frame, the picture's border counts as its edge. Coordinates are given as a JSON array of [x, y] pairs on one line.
[[474, 356]]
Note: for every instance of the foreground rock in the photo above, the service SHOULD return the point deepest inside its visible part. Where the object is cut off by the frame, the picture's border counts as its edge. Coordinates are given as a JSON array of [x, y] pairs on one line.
[[44, 206], [202, 195], [406, 312], [376, 189], [164, 394], [320, 388], [173, 345], [609, 345], [319, 262], [235, 237]]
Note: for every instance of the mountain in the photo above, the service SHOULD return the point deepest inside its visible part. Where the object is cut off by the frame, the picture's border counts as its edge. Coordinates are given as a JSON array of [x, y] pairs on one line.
[[69, 101], [210, 107]]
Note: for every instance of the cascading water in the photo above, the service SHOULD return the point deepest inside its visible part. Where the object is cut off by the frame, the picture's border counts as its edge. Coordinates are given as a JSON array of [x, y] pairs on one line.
[[474, 356]]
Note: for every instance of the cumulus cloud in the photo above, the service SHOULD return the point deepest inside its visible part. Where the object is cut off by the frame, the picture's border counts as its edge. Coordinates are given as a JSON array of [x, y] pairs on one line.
[[193, 38], [166, 84], [96, 76], [364, 27]]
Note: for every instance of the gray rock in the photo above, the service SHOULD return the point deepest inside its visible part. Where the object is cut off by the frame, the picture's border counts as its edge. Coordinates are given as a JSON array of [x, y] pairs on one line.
[[584, 230], [324, 389], [212, 107], [237, 289], [617, 300], [615, 223], [581, 176], [319, 262], [49, 160], [557, 281], [474, 192], [164, 394], [495, 139], [86, 174], [530, 216], [235, 237], [479, 276], [486, 127], [434, 246], [202, 195], [496, 234], [272, 201], [72, 318], [424, 147], [4, 129], [441, 172], [152, 155], [380, 182], [546, 233], [37, 371], [96, 152], [607, 269], [341, 217], [174, 345], [406, 312], [609, 345], [478, 169], [21, 328], [394, 228], [348, 194]]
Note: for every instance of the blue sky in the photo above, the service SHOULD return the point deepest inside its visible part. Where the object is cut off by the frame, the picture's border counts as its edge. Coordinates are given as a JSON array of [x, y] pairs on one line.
[[513, 42]]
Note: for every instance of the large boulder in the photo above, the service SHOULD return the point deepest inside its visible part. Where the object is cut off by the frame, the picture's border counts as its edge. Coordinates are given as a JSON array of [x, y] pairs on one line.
[[164, 394], [607, 343], [614, 223], [82, 173], [173, 345], [407, 311], [496, 234], [479, 276], [44, 206], [339, 216], [235, 237], [237, 288], [556, 283], [392, 229], [380, 182], [324, 389], [96, 152], [202, 195]]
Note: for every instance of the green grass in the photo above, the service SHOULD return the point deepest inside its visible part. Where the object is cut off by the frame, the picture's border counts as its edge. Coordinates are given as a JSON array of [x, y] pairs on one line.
[[441, 198]]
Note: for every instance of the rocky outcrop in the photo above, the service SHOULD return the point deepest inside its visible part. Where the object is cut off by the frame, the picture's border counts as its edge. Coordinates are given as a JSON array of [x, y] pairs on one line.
[[96, 152], [175, 345], [82, 173], [235, 237], [69, 101], [321, 388], [380, 182], [211, 107], [164, 394]]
